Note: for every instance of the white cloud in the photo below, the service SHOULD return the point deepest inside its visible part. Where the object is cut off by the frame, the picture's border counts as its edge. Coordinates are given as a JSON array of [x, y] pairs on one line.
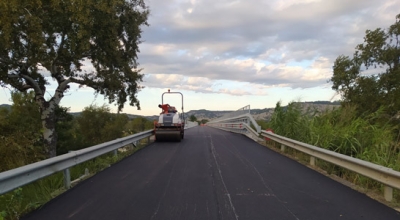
[[263, 43], [254, 47]]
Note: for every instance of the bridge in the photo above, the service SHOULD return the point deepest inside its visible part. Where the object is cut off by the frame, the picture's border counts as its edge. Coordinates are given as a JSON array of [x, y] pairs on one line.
[[219, 171]]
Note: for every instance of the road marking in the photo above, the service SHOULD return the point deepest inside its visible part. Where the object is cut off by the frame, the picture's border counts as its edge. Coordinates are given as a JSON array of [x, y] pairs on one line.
[[223, 182]]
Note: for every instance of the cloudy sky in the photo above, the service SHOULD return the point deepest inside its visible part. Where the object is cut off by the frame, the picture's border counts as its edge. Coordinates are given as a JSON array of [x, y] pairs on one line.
[[226, 54]]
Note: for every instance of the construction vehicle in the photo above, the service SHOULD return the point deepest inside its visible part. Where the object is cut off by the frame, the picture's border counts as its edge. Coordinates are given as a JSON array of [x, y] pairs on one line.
[[171, 124]]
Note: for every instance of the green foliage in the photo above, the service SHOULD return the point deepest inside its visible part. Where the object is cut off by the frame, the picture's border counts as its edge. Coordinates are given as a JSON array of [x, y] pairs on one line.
[[65, 130], [12, 205], [204, 121], [290, 121], [96, 125], [23, 200], [61, 37], [371, 137], [192, 118], [264, 124], [20, 132], [381, 51], [137, 125]]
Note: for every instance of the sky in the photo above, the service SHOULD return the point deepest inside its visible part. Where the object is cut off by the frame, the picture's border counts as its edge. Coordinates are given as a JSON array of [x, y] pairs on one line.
[[227, 54]]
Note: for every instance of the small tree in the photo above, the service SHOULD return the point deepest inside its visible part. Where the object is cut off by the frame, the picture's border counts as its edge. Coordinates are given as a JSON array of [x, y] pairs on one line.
[[42, 39], [192, 118], [204, 121], [97, 125], [20, 132], [381, 49], [138, 124]]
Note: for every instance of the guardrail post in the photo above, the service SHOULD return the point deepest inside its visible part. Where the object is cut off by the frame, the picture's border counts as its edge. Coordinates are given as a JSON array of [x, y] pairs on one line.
[[115, 152], [283, 147], [388, 193], [148, 140], [312, 161], [67, 179]]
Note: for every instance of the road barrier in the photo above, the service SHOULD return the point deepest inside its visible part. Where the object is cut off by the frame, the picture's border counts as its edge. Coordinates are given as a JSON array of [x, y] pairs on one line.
[[241, 124], [15, 178], [388, 177]]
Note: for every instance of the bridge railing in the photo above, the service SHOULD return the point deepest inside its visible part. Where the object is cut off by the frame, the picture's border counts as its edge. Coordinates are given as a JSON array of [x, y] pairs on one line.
[[239, 123], [244, 124], [190, 124], [388, 177], [233, 114], [15, 178]]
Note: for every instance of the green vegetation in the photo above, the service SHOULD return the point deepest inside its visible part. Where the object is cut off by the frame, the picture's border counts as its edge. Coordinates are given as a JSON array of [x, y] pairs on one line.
[[22, 144], [366, 125], [203, 121], [381, 85], [371, 137], [192, 118], [20, 137], [90, 43], [27, 198]]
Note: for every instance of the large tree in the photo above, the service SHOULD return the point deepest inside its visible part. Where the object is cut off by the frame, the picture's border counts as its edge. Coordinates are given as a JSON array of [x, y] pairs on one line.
[[91, 43], [381, 87]]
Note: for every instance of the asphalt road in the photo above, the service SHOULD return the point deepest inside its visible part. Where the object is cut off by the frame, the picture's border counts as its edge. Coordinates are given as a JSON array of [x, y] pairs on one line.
[[211, 174]]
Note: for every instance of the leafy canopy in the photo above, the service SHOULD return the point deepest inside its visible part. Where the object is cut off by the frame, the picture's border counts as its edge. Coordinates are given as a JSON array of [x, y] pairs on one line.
[[92, 43], [381, 51]]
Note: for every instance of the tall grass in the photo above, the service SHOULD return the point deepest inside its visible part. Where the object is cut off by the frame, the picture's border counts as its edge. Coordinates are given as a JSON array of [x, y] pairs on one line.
[[371, 137], [290, 121]]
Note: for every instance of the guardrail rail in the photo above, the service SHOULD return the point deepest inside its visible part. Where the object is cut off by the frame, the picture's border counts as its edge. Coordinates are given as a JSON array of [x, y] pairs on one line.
[[241, 123], [15, 178]]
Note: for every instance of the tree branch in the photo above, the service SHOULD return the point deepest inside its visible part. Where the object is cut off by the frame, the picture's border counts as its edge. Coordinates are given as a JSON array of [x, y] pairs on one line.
[[33, 84], [54, 71], [19, 85]]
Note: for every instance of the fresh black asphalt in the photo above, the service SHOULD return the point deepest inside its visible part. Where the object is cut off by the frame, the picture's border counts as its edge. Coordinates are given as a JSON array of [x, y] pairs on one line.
[[211, 174]]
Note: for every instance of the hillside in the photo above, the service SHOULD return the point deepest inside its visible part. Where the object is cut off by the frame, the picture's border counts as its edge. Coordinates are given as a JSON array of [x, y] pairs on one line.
[[7, 106], [258, 114], [263, 114]]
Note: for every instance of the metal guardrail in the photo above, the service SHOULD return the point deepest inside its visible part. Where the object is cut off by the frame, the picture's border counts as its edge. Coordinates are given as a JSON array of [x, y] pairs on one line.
[[242, 118], [15, 178], [239, 121], [238, 112], [18, 177], [388, 177], [384, 175], [237, 127], [190, 124]]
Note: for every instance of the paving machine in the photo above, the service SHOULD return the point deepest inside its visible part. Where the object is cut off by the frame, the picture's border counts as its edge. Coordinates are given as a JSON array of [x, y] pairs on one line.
[[171, 124]]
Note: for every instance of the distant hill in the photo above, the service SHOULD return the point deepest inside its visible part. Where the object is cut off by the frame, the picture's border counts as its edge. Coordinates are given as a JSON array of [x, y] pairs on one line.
[[258, 114], [130, 116], [7, 106], [262, 114]]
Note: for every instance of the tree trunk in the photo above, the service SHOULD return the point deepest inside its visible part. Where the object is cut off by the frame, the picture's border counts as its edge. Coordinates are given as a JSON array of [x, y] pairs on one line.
[[49, 130], [48, 117]]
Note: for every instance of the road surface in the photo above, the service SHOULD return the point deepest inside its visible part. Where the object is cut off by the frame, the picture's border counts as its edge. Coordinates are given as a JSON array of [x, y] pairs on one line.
[[211, 174]]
